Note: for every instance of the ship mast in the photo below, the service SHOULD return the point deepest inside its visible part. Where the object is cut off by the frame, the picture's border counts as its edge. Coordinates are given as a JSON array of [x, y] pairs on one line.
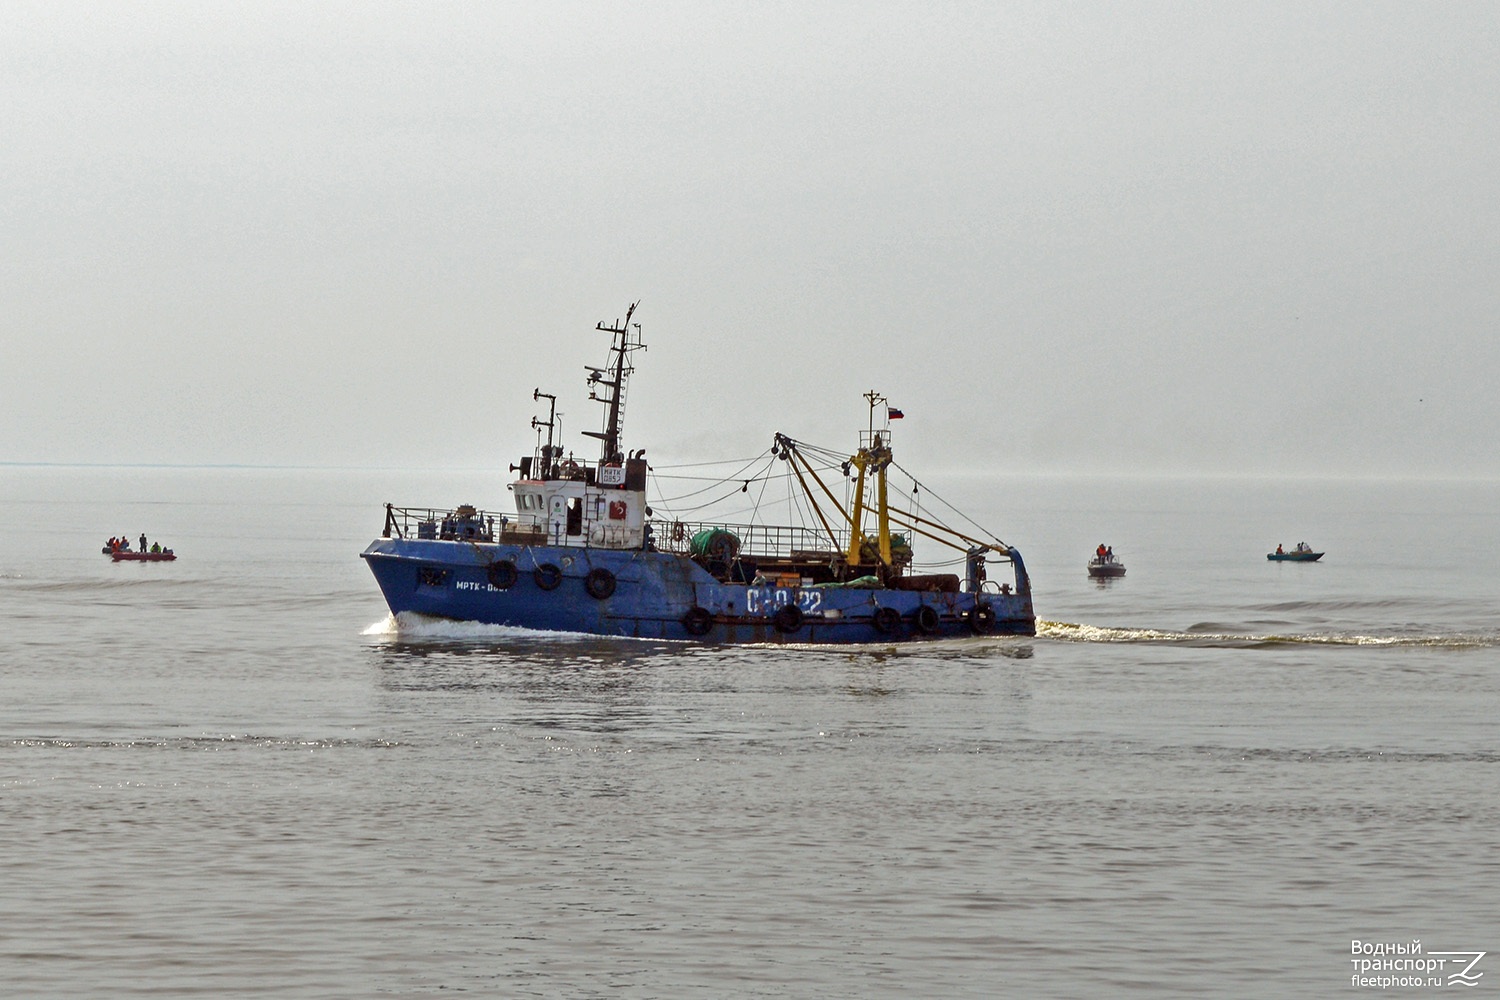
[[549, 453], [874, 456], [611, 381]]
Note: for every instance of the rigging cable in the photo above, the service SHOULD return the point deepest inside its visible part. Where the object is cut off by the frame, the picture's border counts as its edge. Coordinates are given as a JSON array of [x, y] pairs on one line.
[[977, 526], [737, 477], [743, 462]]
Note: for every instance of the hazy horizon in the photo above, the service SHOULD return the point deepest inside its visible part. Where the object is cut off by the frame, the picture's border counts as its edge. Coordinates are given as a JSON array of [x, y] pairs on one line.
[[1146, 238]]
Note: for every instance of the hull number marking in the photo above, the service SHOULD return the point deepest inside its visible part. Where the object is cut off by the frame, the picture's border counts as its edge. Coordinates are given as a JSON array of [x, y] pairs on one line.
[[765, 601]]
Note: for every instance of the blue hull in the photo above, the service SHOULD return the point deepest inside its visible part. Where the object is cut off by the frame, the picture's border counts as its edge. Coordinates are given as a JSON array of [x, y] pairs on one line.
[[660, 595]]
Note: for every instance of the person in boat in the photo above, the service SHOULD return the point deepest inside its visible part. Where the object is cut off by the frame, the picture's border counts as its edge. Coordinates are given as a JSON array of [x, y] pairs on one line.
[[155, 547], [1279, 552], [1109, 554], [143, 542], [1099, 552]]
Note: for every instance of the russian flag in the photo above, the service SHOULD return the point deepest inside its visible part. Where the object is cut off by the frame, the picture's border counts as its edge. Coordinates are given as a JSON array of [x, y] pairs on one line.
[[891, 413]]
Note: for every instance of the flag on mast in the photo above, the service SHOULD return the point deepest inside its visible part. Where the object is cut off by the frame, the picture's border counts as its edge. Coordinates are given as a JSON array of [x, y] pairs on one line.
[[891, 413]]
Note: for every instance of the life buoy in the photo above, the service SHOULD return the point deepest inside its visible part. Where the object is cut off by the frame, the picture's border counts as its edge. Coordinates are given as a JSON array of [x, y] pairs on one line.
[[982, 618], [502, 574], [925, 619], [788, 618], [600, 583], [698, 621], [547, 576], [886, 620]]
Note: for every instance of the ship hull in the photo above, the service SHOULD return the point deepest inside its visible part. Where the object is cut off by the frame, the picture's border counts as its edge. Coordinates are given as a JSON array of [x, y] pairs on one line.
[[660, 595]]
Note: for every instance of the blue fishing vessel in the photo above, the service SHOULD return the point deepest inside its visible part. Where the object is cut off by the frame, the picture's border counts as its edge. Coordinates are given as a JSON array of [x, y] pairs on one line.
[[582, 550]]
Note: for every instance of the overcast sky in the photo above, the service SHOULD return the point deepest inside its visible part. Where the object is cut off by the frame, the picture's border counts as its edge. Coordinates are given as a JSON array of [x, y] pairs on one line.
[[1178, 237]]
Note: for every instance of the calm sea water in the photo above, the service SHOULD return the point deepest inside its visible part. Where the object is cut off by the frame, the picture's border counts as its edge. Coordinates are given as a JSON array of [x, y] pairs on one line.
[[233, 776]]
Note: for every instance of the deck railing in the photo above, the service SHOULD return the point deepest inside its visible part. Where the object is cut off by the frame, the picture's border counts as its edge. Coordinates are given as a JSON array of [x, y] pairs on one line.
[[426, 522], [472, 524], [763, 540]]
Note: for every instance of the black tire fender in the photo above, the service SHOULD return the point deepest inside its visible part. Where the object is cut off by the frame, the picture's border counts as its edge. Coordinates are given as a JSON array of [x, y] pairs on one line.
[[886, 620], [502, 574], [600, 583], [982, 618], [788, 618], [547, 576], [698, 621], [925, 619]]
